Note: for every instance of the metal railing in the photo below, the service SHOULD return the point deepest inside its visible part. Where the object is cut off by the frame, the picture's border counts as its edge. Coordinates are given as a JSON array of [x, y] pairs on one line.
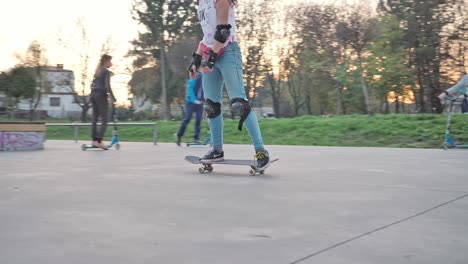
[[77, 125]]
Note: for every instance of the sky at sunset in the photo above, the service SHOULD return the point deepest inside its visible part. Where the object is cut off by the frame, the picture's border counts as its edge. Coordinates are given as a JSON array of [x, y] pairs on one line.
[[49, 20]]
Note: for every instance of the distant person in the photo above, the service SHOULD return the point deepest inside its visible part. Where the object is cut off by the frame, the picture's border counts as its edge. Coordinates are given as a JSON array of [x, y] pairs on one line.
[[219, 58], [100, 90], [461, 90], [193, 105]]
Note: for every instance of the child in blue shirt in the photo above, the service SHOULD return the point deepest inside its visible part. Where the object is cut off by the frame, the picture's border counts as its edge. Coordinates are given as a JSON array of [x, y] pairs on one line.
[[193, 104]]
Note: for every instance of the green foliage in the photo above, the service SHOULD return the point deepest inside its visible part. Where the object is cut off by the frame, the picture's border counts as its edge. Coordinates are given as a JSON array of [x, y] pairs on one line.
[[4, 81], [165, 21], [124, 113], [144, 115], [19, 83], [146, 83], [427, 27], [387, 67], [338, 51]]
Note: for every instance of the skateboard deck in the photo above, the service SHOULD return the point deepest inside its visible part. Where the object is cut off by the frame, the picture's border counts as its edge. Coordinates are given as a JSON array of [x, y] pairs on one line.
[[208, 166]]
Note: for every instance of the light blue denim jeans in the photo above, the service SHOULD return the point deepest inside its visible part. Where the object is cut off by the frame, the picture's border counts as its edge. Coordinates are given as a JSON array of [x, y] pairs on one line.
[[228, 69]]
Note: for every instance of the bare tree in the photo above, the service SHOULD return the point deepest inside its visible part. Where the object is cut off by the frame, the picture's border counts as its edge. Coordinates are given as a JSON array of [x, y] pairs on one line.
[[276, 60], [89, 52]]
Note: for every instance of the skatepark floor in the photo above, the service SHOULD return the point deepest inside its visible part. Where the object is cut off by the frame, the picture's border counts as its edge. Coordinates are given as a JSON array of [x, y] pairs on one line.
[[145, 204]]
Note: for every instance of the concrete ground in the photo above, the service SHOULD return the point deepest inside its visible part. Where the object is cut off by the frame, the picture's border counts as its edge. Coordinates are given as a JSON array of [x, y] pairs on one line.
[[145, 204]]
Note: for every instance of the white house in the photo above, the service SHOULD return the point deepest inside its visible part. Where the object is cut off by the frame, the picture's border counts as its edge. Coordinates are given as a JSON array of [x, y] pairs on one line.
[[60, 101]]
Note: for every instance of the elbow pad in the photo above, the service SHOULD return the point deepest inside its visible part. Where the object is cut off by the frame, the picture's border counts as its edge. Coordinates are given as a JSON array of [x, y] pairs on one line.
[[222, 32]]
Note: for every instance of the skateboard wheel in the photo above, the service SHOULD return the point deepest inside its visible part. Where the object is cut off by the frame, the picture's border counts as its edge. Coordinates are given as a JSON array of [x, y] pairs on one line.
[[262, 171], [252, 172], [201, 170], [117, 146], [209, 169], [83, 147]]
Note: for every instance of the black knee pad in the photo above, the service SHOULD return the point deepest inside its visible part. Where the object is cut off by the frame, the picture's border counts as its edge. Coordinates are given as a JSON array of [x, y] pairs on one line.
[[241, 107], [212, 109]]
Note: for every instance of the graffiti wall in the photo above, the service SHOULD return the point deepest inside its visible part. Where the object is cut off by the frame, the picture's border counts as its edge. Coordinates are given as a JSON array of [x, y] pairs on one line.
[[11, 141]]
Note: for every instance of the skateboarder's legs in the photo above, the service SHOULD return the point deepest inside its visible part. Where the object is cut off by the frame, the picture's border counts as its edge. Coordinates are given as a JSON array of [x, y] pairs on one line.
[[228, 69]]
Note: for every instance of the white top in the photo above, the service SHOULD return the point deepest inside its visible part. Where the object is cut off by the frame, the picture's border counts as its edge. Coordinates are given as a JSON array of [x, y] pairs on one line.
[[208, 21]]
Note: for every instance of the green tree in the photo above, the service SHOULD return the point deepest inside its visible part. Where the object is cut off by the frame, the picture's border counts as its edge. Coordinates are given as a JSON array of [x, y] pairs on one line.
[[455, 41], [388, 70], [357, 27], [147, 85], [323, 55], [164, 22], [4, 81], [252, 28], [179, 57], [35, 61], [424, 23], [19, 83]]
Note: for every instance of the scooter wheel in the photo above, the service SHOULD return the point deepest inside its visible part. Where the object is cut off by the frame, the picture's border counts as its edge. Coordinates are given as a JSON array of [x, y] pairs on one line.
[[117, 146], [83, 147]]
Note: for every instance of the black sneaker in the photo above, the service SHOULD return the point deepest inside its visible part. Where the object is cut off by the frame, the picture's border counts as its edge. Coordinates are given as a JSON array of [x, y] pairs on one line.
[[263, 159], [178, 139], [213, 156]]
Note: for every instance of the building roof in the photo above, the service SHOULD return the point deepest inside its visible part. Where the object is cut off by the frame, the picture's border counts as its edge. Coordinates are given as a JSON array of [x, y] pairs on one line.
[[55, 69]]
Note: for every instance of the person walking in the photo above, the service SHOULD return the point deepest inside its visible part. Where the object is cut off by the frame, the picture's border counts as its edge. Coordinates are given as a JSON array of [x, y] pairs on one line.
[[193, 105]]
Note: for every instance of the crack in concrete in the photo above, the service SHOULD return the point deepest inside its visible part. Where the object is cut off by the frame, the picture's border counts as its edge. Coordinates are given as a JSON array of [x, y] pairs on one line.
[[378, 229]]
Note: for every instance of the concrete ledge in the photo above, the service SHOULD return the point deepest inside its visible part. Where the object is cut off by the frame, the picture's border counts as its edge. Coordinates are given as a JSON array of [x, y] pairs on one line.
[[22, 136], [22, 127]]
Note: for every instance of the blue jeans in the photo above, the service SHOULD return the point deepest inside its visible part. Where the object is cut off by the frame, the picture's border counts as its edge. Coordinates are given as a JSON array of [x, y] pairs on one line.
[[191, 108], [228, 70]]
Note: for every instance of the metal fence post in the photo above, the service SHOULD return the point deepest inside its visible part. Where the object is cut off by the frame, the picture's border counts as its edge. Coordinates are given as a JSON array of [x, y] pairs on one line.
[[155, 134], [76, 134]]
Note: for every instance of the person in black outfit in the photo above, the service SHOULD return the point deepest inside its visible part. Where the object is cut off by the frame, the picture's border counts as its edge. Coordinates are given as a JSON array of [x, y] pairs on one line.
[[99, 100]]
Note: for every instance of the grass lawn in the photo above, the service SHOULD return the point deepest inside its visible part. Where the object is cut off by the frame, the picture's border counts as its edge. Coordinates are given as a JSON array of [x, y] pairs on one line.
[[414, 131]]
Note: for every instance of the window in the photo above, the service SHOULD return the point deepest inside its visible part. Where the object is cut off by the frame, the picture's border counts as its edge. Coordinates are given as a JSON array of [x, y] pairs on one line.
[[55, 101], [63, 81]]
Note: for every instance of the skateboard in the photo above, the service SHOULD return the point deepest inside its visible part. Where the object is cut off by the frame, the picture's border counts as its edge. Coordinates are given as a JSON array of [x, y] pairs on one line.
[[208, 166]]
